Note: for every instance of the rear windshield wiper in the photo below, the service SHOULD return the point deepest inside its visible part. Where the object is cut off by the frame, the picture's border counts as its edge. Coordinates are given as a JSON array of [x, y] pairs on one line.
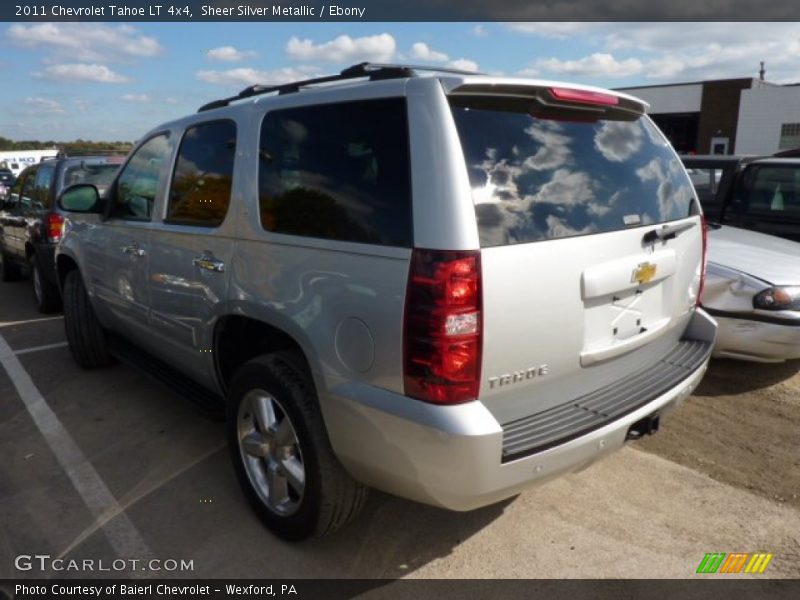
[[666, 232]]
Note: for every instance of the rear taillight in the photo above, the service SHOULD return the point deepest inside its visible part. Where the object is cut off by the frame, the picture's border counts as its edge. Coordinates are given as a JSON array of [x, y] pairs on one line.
[[443, 326], [583, 96], [55, 228], [704, 266]]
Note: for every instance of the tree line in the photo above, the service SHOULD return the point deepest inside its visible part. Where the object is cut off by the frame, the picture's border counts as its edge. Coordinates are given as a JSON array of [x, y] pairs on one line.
[[76, 146]]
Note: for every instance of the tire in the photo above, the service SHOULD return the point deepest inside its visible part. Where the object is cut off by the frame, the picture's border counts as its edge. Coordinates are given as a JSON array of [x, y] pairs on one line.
[[8, 270], [85, 335], [45, 293], [328, 497]]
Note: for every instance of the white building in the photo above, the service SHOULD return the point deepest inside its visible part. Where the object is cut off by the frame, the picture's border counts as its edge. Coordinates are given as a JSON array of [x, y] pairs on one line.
[[769, 119], [726, 116]]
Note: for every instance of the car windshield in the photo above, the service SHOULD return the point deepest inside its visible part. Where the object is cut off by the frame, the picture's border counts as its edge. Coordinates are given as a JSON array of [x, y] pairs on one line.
[[6, 177], [98, 174], [537, 179]]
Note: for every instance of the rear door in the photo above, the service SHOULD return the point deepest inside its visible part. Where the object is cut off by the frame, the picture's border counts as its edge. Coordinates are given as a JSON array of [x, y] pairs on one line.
[[191, 251], [14, 220], [582, 285]]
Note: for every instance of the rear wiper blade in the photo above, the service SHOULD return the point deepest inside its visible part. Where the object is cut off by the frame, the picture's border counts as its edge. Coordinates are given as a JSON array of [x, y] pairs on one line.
[[666, 232]]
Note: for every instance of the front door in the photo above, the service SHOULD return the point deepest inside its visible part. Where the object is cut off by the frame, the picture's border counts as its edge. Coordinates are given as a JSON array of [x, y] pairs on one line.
[[122, 286]]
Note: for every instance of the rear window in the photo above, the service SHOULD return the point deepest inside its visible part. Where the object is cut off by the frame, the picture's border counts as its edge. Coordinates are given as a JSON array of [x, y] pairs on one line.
[[338, 171], [537, 179], [98, 174]]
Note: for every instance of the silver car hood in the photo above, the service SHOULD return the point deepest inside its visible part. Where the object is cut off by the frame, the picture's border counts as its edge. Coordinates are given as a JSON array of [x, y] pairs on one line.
[[766, 257]]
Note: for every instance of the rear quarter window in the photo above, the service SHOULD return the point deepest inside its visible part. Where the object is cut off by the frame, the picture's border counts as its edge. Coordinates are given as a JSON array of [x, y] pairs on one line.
[[337, 171], [536, 179]]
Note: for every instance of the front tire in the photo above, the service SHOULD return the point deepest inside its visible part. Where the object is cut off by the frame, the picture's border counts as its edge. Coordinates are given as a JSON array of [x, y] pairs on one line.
[[45, 293], [281, 451], [85, 335]]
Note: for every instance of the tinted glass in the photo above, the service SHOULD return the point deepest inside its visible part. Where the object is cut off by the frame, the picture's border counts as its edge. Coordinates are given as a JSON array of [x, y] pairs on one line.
[[101, 175], [201, 185], [24, 197], [6, 178], [138, 183], [771, 191], [41, 187], [538, 179], [338, 171]]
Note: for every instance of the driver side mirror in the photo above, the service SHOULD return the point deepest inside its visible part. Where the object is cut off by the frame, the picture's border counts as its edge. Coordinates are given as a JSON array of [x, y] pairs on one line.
[[81, 198]]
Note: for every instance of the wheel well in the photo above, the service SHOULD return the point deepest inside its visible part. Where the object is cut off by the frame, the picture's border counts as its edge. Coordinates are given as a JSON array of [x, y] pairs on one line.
[[239, 339], [64, 264]]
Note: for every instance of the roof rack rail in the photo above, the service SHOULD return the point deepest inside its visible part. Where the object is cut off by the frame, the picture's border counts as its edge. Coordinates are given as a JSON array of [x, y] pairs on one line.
[[375, 71]]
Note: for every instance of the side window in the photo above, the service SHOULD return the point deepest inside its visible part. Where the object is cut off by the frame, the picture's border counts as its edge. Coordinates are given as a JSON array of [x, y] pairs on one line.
[[338, 171], [26, 193], [137, 185], [773, 190], [41, 187], [201, 184], [16, 189]]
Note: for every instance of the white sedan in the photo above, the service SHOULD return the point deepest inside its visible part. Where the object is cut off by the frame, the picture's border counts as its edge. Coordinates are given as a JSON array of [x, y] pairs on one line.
[[753, 291]]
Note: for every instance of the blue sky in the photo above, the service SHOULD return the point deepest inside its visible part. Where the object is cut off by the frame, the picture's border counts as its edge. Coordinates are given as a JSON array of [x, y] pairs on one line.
[[115, 81]]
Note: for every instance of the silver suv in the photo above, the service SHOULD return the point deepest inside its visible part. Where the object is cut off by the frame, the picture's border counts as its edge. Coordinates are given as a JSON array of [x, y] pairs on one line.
[[443, 285]]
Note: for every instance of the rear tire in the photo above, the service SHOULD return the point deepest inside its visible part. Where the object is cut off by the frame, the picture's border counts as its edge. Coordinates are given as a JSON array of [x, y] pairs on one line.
[[8, 270], [86, 337], [45, 293], [269, 455]]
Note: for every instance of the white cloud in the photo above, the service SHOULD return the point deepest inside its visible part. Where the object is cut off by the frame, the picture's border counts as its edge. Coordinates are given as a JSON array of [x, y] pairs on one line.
[[598, 64], [43, 105], [229, 54], [135, 98], [421, 51], [250, 76], [674, 51], [79, 72], [556, 30], [86, 42], [170, 100], [463, 64], [374, 48], [479, 31]]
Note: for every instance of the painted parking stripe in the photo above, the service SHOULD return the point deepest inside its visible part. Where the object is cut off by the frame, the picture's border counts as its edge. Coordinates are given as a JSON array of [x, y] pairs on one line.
[[27, 321], [40, 348], [123, 536]]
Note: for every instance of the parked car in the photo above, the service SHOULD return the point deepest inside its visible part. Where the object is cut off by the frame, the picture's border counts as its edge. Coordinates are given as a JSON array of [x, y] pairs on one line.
[[756, 193], [31, 223], [6, 181], [753, 291], [447, 287]]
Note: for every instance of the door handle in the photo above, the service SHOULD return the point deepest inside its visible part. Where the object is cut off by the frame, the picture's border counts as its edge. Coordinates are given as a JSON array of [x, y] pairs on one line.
[[209, 264], [133, 250]]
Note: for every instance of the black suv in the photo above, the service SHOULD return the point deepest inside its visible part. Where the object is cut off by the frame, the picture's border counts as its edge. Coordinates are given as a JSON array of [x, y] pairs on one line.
[[6, 181], [31, 224], [751, 192]]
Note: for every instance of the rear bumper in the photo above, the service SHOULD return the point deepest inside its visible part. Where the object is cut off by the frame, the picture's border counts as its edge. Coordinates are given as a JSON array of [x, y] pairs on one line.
[[46, 256], [453, 456]]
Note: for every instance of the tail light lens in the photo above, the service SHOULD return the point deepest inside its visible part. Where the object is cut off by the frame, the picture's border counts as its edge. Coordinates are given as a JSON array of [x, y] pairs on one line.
[[443, 326], [55, 227], [704, 266], [583, 96]]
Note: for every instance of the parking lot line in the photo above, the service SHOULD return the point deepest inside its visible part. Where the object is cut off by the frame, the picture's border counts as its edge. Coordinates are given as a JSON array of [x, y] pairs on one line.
[[121, 533], [40, 348], [26, 321]]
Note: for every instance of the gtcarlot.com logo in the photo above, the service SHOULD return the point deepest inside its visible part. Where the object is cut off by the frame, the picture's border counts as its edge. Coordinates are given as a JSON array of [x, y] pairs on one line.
[[735, 562], [44, 562]]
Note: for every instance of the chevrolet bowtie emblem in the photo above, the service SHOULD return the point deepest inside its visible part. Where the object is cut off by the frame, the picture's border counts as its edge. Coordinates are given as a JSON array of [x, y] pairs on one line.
[[644, 273]]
